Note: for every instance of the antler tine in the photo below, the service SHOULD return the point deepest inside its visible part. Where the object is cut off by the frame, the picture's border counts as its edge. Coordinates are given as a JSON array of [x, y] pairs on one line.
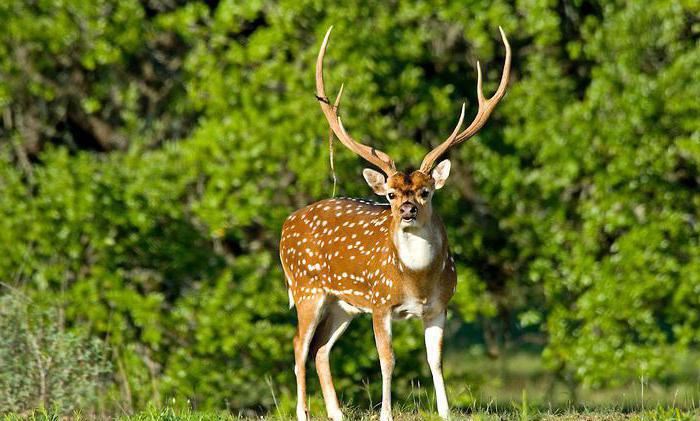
[[338, 97], [455, 132], [486, 106], [374, 156]]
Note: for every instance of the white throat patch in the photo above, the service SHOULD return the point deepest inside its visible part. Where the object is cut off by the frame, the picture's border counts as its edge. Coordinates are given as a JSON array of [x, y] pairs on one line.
[[416, 248]]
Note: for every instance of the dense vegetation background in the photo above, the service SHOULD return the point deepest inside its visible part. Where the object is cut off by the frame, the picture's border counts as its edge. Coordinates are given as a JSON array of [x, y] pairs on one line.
[[151, 150]]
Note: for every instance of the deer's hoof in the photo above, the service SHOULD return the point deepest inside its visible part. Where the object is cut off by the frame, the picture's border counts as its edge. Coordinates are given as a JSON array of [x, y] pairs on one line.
[[302, 414], [336, 415]]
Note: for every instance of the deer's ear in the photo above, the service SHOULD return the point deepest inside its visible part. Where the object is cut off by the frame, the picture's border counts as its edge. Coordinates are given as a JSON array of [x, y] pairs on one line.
[[376, 181], [441, 172]]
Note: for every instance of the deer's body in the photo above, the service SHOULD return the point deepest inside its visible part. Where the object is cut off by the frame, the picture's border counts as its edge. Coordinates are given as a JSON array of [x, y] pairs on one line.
[[355, 253], [342, 257]]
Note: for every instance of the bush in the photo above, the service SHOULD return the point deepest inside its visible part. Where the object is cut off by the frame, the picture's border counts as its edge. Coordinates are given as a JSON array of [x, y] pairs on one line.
[[42, 364], [572, 216]]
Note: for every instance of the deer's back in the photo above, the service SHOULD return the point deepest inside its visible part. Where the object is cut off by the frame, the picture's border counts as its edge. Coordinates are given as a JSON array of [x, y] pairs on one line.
[[338, 247]]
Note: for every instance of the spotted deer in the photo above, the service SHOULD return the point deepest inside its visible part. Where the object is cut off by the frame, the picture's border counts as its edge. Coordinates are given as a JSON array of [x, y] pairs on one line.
[[343, 257]]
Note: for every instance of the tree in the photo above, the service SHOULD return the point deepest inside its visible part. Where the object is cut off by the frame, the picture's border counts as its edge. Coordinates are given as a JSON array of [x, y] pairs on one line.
[[573, 214]]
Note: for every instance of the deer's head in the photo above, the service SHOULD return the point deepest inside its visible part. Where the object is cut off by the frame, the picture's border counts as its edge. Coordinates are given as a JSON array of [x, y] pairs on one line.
[[409, 193]]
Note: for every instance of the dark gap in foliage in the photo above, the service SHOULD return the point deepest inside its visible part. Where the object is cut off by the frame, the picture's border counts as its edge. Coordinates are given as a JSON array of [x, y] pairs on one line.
[[156, 7], [249, 27], [77, 136], [573, 15]]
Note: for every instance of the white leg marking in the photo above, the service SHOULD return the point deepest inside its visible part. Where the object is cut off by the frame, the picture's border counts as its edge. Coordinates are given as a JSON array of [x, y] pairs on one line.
[[433, 346]]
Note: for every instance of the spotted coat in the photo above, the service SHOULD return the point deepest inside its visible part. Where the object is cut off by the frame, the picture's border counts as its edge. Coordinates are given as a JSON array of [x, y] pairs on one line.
[[343, 248]]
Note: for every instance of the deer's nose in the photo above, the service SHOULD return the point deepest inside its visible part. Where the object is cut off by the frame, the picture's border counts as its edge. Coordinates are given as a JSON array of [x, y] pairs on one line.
[[408, 210]]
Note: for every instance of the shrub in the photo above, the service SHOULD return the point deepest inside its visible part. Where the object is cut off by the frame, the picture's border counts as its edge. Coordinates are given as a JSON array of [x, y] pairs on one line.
[[41, 363]]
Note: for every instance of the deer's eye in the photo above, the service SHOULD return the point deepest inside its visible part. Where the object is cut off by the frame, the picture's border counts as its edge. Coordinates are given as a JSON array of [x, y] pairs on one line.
[[424, 194], [391, 196]]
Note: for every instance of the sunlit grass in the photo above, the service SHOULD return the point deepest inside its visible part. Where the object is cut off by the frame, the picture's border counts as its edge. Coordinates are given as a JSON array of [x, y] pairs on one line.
[[522, 413], [479, 388], [476, 380]]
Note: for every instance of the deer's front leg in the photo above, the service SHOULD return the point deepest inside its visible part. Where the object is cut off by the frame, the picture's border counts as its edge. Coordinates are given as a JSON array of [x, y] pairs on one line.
[[433, 326], [382, 336]]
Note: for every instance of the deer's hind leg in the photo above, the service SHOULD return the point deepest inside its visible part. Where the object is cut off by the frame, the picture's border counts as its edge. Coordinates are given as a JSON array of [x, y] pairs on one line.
[[334, 323], [309, 313]]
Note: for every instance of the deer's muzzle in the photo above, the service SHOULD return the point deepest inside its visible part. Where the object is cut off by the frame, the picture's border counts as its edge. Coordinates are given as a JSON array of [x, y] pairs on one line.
[[408, 211]]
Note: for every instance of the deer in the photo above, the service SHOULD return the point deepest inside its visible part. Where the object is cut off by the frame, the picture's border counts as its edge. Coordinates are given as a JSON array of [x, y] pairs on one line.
[[342, 256]]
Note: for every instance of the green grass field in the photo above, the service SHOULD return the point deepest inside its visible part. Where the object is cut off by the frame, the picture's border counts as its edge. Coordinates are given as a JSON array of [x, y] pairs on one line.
[[511, 413], [517, 388], [503, 381]]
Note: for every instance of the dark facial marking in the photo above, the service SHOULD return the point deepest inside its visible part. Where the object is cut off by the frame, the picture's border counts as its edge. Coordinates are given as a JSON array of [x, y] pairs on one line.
[[410, 184]]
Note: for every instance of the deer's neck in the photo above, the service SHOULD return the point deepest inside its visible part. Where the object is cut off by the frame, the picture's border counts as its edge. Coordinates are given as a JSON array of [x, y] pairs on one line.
[[418, 248]]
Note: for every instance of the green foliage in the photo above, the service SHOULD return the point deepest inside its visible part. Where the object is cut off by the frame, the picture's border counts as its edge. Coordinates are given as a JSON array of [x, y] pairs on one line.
[[89, 74], [151, 152], [42, 365]]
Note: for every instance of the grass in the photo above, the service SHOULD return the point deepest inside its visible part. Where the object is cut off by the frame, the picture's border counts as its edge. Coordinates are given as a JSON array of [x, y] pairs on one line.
[[502, 382], [514, 413], [517, 388]]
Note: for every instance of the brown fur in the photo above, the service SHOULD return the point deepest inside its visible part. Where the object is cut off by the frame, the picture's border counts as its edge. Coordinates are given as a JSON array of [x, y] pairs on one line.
[[340, 252]]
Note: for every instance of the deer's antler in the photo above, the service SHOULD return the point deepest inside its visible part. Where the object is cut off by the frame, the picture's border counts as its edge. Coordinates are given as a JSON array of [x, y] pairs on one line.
[[374, 156], [486, 106]]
